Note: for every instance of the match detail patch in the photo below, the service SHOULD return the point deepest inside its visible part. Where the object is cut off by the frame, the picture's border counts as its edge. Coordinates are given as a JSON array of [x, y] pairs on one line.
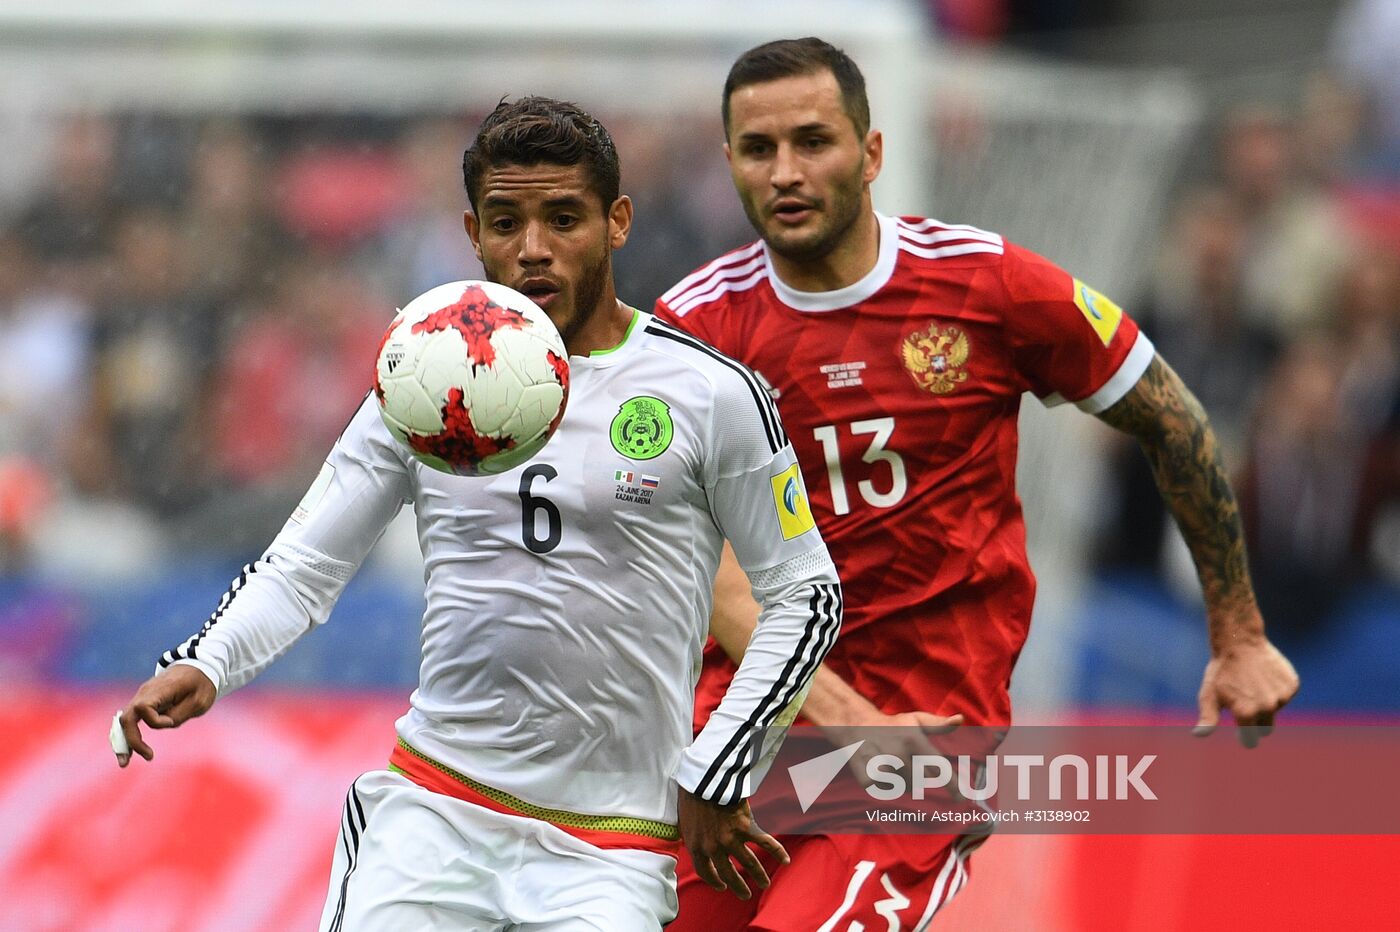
[[313, 495]]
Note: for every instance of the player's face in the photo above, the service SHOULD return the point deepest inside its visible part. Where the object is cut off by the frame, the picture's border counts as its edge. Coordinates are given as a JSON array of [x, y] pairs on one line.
[[802, 173], [542, 230]]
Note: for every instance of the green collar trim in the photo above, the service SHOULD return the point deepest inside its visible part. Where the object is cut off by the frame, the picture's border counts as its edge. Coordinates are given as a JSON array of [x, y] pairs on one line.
[[632, 324]]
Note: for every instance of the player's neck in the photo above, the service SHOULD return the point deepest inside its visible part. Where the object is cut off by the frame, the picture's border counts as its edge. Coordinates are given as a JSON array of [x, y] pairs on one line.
[[852, 259], [606, 328]]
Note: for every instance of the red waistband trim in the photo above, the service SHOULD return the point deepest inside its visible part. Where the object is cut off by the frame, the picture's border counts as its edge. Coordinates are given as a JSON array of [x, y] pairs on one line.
[[439, 778]]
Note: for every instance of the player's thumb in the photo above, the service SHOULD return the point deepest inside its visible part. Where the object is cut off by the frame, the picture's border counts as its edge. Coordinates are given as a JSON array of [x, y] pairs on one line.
[[1210, 714], [937, 724]]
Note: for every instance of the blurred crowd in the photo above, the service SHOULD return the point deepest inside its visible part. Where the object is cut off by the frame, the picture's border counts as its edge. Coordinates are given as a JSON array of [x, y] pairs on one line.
[[1276, 295], [189, 309]]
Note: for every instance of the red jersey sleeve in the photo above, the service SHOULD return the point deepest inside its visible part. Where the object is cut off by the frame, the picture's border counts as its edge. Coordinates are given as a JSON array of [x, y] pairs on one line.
[[698, 303], [693, 324], [1069, 342], [663, 311]]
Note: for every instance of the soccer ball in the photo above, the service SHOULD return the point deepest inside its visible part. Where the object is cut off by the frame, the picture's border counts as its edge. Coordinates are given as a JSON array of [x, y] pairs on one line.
[[472, 377]]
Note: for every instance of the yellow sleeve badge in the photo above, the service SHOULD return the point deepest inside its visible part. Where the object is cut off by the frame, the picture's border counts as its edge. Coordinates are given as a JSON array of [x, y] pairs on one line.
[[1101, 313], [790, 499]]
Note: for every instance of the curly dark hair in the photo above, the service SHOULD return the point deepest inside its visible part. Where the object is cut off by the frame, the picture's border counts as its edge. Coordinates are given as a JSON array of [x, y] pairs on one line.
[[543, 131]]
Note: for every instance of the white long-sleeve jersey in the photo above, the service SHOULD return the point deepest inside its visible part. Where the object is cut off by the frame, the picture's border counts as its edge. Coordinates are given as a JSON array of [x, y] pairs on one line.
[[569, 598]]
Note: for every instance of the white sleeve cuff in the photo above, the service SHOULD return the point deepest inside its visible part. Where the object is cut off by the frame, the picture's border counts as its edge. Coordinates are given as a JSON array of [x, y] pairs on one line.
[[690, 771], [1118, 384]]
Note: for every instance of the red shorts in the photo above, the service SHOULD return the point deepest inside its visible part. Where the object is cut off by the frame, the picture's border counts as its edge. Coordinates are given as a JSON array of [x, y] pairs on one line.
[[834, 882]]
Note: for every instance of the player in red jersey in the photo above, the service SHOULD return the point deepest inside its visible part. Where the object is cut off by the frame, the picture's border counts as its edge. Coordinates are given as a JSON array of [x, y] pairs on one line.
[[898, 349]]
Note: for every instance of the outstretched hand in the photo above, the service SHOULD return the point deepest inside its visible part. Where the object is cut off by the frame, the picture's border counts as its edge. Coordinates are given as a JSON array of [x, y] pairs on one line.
[[718, 836], [167, 700], [1253, 680]]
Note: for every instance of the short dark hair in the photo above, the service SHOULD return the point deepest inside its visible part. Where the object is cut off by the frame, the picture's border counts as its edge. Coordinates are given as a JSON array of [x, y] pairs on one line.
[[789, 58], [543, 131]]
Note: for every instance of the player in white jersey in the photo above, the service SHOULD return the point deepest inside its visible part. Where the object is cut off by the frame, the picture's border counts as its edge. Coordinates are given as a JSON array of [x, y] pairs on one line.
[[545, 769]]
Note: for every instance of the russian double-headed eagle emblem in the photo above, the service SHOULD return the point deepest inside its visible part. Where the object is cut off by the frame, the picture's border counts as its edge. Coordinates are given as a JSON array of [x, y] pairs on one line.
[[934, 358]]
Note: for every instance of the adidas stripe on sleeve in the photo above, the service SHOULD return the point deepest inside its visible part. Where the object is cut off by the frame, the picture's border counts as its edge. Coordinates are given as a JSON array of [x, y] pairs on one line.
[[760, 504]]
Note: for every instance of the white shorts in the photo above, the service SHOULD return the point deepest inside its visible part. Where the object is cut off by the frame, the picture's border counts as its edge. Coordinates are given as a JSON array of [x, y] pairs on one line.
[[412, 859]]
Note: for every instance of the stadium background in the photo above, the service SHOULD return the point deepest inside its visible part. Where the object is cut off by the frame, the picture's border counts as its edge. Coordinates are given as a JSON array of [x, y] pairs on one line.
[[207, 216]]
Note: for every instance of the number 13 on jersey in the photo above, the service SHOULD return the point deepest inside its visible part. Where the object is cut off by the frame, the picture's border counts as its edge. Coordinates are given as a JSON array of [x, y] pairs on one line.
[[879, 430]]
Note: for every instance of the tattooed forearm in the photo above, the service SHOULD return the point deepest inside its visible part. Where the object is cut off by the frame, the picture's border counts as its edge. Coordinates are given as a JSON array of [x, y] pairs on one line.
[[1172, 427]]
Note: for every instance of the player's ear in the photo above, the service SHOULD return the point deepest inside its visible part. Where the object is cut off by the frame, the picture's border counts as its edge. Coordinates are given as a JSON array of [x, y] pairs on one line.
[[473, 228], [874, 155], [728, 154], [619, 221]]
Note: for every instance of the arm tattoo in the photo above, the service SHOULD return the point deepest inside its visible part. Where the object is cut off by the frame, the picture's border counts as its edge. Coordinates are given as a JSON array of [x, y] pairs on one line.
[[1176, 436]]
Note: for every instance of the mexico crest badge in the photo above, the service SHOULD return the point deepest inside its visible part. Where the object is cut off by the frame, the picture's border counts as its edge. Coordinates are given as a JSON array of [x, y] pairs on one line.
[[642, 428]]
